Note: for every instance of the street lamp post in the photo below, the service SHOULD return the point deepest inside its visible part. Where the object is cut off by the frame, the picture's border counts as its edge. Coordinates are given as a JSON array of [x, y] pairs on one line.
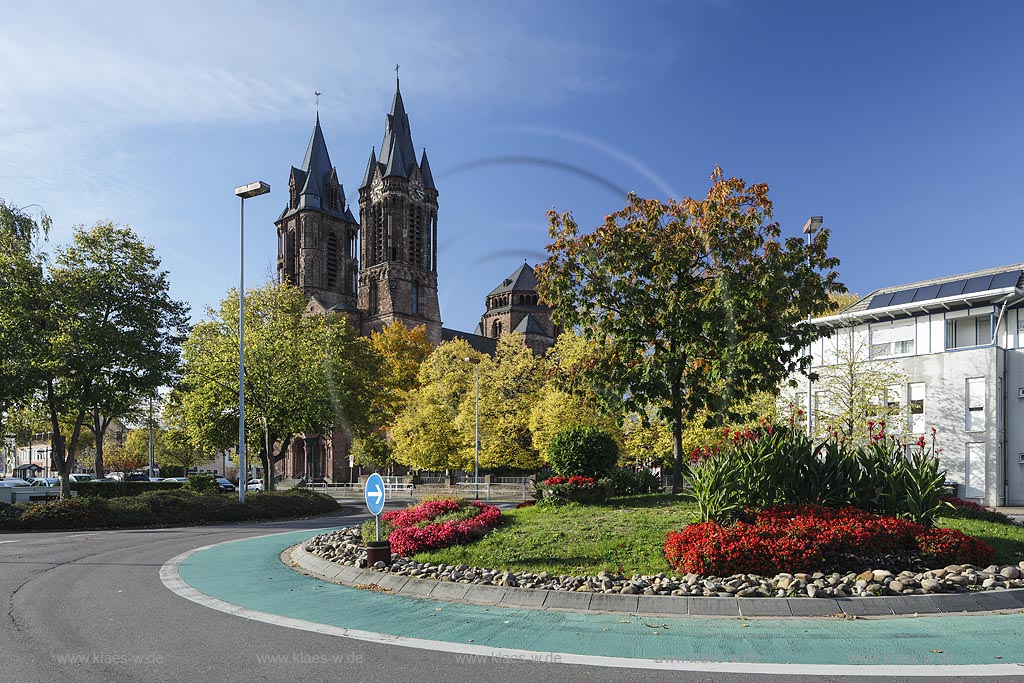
[[810, 227], [244, 192], [476, 428]]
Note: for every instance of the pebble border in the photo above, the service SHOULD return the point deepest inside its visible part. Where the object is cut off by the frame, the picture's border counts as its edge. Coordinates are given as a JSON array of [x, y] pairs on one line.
[[299, 559]]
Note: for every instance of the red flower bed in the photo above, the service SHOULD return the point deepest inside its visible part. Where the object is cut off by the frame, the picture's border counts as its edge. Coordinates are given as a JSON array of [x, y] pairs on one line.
[[408, 538], [809, 538], [423, 512]]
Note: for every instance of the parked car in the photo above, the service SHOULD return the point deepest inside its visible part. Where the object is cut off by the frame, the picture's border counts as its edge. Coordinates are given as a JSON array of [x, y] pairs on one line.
[[224, 485], [178, 479], [13, 481], [156, 479], [81, 477], [254, 485], [137, 476], [45, 481]]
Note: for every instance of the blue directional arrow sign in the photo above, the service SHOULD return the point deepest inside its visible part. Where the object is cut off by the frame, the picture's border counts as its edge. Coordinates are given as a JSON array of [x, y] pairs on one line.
[[374, 494]]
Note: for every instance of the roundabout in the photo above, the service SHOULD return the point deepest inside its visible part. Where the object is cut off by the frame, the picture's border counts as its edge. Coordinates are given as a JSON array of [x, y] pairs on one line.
[[943, 644]]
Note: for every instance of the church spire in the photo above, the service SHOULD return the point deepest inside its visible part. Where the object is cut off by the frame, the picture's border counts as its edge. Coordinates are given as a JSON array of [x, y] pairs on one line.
[[397, 136], [317, 160]]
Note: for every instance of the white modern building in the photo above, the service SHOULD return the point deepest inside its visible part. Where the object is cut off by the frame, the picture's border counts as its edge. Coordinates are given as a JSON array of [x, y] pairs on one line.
[[959, 342]]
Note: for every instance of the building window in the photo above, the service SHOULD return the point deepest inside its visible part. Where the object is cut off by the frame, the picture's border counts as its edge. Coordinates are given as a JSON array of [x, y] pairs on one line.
[[963, 333], [415, 299], [374, 304], [975, 404], [974, 471], [916, 405], [892, 340]]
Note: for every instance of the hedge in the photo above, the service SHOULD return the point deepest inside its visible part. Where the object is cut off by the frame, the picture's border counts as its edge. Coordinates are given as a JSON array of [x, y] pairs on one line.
[[119, 489], [161, 508]]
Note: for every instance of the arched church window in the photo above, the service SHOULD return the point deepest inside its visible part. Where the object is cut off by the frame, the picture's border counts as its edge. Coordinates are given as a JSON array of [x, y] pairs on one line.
[[415, 298]]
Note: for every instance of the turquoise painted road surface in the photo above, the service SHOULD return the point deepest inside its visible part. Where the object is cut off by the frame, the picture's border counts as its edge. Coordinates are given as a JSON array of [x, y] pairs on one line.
[[249, 573]]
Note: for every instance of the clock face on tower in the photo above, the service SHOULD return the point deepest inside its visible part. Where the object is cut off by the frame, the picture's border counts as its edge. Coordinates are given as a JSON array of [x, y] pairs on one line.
[[416, 190], [377, 190]]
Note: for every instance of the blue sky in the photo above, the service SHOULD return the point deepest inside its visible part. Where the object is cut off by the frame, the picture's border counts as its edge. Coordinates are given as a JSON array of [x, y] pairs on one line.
[[900, 122]]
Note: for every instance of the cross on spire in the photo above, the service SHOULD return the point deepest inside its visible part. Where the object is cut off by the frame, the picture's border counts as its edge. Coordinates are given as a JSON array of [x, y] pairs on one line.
[[396, 72], [317, 93]]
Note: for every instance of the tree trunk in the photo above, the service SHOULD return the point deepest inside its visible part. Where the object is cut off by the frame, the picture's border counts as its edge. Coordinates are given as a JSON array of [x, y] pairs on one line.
[[677, 438]]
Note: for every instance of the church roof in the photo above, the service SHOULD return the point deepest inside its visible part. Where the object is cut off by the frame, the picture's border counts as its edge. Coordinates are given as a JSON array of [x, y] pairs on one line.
[[523, 280], [370, 166], [317, 161], [476, 341], [397, 140], [529, 325], [428, 177]]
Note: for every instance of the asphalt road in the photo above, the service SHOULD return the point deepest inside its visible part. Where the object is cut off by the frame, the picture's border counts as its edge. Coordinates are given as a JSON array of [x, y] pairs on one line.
[[90, 607]]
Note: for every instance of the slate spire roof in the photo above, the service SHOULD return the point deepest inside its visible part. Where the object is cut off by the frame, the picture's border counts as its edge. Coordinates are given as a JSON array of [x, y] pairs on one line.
[[523, 280], [428, 177], [317, 160], [318, 180], [397, 139], [370, 166]]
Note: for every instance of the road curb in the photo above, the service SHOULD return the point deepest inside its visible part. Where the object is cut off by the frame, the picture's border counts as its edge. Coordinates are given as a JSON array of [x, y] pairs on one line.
[[987, 602]]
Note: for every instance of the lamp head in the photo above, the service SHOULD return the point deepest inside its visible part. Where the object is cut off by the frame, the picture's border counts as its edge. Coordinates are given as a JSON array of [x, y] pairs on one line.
[[252, 190], [812, 225]]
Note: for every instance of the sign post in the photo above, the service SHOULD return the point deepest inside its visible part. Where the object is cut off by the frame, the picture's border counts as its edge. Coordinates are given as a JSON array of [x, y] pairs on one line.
[[374, 496]]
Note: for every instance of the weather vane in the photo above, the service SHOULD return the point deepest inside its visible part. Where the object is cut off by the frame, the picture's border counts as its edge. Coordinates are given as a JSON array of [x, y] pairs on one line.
[[317, 93], [396, 71]]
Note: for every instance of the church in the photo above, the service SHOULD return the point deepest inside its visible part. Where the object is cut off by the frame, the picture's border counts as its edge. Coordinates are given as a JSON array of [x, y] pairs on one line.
[[383, 266]]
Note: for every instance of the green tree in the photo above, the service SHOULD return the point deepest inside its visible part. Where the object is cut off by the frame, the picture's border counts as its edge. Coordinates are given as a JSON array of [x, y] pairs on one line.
[[132, 455], [694, 303], [426, 434], [304, 374], [110, 325], [21, 311], [401, 352], [854, 389], [177, 446]]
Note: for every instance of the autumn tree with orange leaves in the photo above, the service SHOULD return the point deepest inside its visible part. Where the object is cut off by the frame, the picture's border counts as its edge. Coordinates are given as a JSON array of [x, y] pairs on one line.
[[697, 303]]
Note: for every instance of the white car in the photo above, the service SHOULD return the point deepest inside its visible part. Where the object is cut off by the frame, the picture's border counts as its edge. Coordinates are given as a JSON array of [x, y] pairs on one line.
[[13, 481], [254, 485], [80, 477], [45, 481]]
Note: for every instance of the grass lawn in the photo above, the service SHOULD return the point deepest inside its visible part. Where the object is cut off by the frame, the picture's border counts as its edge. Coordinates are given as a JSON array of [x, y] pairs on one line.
[[625, 535], [1007, 539]]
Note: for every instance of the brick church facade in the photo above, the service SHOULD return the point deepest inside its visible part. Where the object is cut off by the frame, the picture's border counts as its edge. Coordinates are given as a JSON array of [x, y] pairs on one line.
[[383, 266]]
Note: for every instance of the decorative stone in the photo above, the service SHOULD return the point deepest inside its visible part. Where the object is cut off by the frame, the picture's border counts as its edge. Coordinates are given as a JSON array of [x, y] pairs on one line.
[[931, 585], [1010, 572]]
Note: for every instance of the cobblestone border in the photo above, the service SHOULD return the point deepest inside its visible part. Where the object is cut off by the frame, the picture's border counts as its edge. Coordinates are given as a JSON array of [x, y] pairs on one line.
[[1010, 600]]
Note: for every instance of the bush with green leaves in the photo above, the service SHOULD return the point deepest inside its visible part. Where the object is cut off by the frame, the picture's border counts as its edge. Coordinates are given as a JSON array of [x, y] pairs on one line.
[[627, 481], [118, 489], [161, 508], [782, 466], [201, 483], [583, 452]]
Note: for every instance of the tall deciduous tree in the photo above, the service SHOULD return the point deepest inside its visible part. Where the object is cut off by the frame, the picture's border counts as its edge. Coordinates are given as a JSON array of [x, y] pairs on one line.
[[110, 326], [696, 302], [401, 351], [304, 374], [426, 435], [21, 284]]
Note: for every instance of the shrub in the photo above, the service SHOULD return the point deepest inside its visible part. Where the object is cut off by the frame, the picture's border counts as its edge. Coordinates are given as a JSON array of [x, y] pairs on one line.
[[583, 451], [965, 509], [117, 489], [201, 483], [780, 465], [815, 538], [160, 508], [575, 489], [629, 482]]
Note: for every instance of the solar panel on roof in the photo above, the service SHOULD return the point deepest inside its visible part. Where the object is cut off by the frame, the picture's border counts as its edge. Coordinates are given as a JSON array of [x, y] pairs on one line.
[[880, 300], [926, 293], [1007, 279], [903, 297], [952, 288], [978, 284]]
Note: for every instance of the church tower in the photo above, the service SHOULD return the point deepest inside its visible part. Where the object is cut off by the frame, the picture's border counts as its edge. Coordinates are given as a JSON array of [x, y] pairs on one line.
[[398, 224], [317, 235]]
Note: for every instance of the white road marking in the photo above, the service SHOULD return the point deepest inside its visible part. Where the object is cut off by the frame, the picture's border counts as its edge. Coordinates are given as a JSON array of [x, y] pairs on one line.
[[14, 541], [172, 580]]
